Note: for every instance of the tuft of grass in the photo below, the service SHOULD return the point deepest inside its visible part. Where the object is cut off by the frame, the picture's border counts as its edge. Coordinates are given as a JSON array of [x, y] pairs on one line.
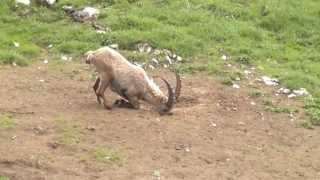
[[108, 156], [69, 132], [6, 122]]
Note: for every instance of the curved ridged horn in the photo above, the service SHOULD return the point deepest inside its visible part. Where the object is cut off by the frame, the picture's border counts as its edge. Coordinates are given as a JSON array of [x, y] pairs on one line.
[[178, 87], [169, 103]]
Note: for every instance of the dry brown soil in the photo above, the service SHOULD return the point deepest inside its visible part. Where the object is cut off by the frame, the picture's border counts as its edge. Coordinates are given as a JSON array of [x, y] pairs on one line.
[[214, 133]]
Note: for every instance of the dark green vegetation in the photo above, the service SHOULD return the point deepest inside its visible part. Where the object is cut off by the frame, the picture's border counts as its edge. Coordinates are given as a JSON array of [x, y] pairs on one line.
[[281, 38]]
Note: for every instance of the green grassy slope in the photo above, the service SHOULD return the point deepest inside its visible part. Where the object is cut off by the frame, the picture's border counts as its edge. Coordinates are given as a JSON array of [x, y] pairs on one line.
[[280, 37]]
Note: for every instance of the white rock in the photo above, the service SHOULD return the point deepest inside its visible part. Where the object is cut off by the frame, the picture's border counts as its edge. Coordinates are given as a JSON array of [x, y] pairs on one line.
[[65, 58], [238, 79], [247, 72], [236, 86], [253, 103], [165, 66], [179, 58], [155, 60], [50, 46], [14, 64], [224, 57], [16, 44], [301, 92], [169, 59], [51, 2], [46, 61], [25, 2], [151, 67], [270, 81], [157, 52], [41, 80], [292, 95], [114, 46], [100, 31], [91, 11]]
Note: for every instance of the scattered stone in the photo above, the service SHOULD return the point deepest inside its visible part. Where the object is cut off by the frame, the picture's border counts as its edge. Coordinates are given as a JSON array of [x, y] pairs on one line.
[[101, 31], [292, 95], [14, 137], [14, 64], [284, 91], [86, 14], [270, 81], [301, 92], [247, 72], [151, 67], [169, 59], [156, 175], [154, 60], [179, 58], [236, 86], [41, 80], [50, 46], [47, 3], [224, 57], [25, 2], [241, 123], [253, 103], [91, 128], [16, 44], [45, 61], [66, 58], [157, 52], [53, 145], [39, 130], [114, 46]]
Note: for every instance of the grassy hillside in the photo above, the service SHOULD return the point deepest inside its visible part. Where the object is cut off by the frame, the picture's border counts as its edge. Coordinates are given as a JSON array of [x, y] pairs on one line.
[[280, 37]]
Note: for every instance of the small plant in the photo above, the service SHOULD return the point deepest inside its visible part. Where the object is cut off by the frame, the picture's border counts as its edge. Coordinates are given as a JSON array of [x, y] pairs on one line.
[[276, 109], [108, 156], [6, 122]]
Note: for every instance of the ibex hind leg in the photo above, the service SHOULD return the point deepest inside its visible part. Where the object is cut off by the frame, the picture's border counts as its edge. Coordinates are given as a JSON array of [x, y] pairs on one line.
[[124, 102]]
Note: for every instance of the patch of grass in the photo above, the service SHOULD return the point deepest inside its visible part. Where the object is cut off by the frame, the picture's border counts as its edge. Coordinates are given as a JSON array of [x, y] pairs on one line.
[[276, 109], [255, 94], [108, 156], [69, 132], [4, 178], [313, 110], [6, 122], [269, 106]]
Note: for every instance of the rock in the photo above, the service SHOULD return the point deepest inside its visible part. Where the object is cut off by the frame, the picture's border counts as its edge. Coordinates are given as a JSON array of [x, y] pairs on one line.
[[114, 46], [16, 44], [47, 3], [156, 175], [168, 59], [154, 60], [45, 61], [25, 2], [270, 81], [247, 72], [224, 57], [157, 52], [39, 130], [179, 58], [292, 95], [284, 91], [236, 86], [91, 128], [100, 31], [91, 11], [301, 92], [50, 46], [87, 13]]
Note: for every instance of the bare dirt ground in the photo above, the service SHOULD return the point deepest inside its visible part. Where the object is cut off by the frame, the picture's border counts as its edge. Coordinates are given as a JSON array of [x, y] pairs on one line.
[[216, 132]]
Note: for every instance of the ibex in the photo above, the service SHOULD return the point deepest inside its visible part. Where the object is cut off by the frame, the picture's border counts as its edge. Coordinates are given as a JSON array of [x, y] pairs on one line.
[[129, 81]]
